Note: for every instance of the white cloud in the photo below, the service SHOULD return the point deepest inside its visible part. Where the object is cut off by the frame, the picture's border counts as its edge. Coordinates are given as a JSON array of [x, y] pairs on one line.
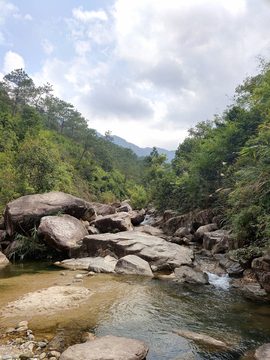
[[13, 61], [28, 17], [1, 76], [82, 47], [5, 10], [48, 47], [86, 16]]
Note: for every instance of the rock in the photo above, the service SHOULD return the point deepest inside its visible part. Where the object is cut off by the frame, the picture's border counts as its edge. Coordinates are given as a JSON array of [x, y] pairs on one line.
[[156, 251], [170, 226], [55, 354], [103, 209], [150, 230], [103, 264], [168, 214], [249, 284], [22, 323], [3, 235], [216, 240], [22, 214], [263, 352], [112, 223], [46, 301], [181, 232], [3, 260], [190, 275], [133, 265], [61, 232], [124, 208], [261, 267], [116, 205], [203, 229], [233, 268], [138, 217], [92, 230], [107, 348], [200, 338], [41, 344], [203, 217]]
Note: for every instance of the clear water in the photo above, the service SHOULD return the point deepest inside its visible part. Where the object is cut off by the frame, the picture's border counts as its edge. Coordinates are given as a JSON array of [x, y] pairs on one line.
[[143, 309]]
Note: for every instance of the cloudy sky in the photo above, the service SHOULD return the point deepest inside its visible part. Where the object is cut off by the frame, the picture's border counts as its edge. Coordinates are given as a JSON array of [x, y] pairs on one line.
[[147, 70]]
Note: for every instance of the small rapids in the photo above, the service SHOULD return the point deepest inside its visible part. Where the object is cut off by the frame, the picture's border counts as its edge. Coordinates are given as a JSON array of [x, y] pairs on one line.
[[222, 282]]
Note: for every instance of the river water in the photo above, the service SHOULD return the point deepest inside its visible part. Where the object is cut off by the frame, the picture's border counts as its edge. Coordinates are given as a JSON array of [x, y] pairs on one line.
[[143, 309]]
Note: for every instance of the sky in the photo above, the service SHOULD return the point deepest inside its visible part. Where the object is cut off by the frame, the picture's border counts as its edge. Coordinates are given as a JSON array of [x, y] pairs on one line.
[[146, 70]]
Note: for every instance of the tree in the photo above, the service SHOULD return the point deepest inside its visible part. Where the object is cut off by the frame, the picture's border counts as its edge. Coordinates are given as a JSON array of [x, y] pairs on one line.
[[19, 86]]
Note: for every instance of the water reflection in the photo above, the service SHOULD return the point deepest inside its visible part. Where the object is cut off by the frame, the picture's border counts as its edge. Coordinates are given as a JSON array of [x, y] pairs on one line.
[[144, 309]]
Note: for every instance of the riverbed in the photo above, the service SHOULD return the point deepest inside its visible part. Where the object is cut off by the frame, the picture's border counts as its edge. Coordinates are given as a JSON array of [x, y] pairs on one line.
[[143, 309]]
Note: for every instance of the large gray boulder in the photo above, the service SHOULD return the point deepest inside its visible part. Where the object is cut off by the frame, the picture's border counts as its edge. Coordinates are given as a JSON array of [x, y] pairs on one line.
[[107, 348], [190, 275], [22, 214], [203, 229], [263, 352], [133, 265], [137, 217], [103, 209], [61, 232], [261, 266], [159, 253], [3, 260], [217, 241], [114, 223]]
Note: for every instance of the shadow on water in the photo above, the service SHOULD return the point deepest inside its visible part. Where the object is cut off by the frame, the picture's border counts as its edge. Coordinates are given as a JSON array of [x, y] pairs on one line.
[[144, 309]]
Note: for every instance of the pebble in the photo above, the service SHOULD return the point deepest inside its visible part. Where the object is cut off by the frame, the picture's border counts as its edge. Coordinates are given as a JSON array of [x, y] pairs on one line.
[[42, 356], [54, 354], [10, 330], [79, 276], [63, 274], [22, 323], [22, 328], [41, 344], [6, 357]]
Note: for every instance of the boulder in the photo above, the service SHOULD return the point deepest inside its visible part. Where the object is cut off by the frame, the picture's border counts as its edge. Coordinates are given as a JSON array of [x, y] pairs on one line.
[[24, 213], [249, 285], [3, 260], [185, 356], [124, 208], [138, 217], [150, 230], [114, 223], [116, 205], [203, 217], [170, 226], [46, 301], [92, 230], [190, 275], [233, 268], [218, 241], [107, 348], [203, 229], [61, 232], [12, 247], [200, 338], [261, 267], [182, 232], [102, 264], [168, 214], [133, 265], [263, 352], [3, 235], [158, 252], [103, 209]]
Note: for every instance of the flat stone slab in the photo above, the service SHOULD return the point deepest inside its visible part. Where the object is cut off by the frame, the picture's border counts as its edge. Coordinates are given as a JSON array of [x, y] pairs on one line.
[[200, 338], [46, 301], [97, 264], [133, 265], [107, 348], [263, 352], [159, 253]]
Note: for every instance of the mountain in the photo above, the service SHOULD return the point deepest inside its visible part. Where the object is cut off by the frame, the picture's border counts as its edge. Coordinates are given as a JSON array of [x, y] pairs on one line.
[[142, 151]]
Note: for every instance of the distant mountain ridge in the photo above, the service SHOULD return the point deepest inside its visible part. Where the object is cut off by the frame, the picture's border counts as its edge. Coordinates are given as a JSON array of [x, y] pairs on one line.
[[142, 151]]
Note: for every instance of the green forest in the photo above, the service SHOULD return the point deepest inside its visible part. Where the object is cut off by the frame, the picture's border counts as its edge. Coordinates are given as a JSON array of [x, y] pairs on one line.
[[46, 144]]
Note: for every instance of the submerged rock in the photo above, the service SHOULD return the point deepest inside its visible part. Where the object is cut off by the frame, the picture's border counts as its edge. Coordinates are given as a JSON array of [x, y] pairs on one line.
[[200, 338], [107, 348], [46, 301], [97, 264], [190, 276]]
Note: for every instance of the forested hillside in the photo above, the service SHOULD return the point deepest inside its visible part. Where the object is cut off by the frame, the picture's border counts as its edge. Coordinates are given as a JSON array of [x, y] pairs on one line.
[[46, 144], [225, 164]]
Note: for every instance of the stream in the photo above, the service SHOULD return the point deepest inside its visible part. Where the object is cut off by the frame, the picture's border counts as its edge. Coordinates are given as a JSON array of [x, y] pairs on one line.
[[143, 309]]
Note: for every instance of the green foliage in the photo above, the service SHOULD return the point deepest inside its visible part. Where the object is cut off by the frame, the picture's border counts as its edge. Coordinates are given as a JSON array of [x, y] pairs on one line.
[[139, 198]]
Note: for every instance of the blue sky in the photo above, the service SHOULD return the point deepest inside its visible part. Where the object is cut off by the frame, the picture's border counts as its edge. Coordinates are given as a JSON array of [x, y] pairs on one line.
[[147, 70]]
